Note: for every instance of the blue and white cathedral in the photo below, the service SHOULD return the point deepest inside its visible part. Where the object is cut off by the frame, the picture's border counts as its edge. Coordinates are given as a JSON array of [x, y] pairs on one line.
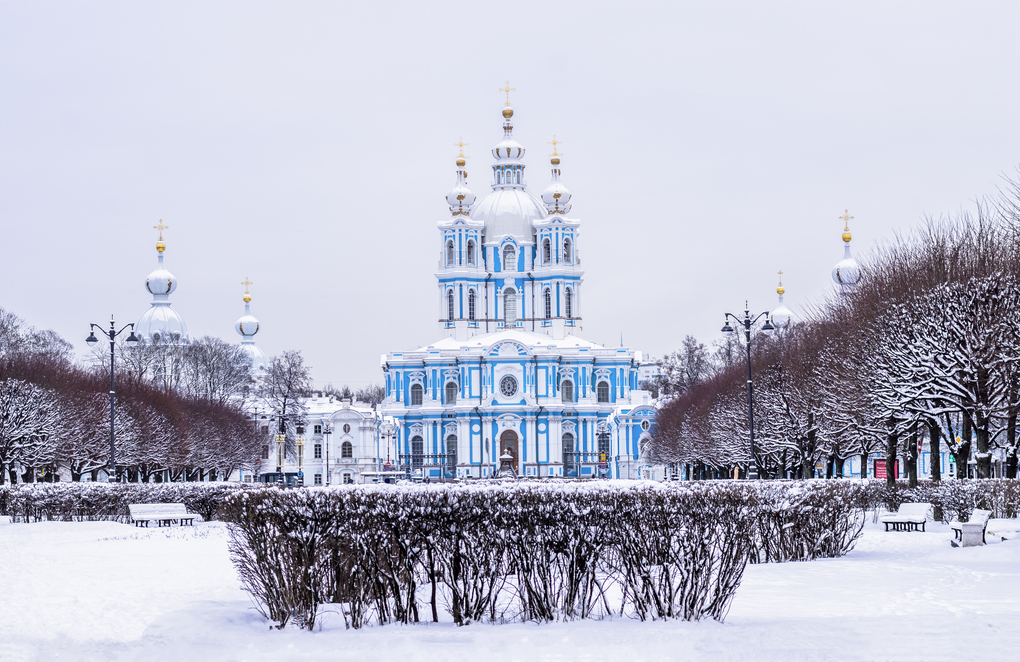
[[511, 386]]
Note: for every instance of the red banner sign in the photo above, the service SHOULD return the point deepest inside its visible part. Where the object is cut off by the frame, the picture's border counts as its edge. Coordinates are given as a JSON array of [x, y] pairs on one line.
[[880, 469]]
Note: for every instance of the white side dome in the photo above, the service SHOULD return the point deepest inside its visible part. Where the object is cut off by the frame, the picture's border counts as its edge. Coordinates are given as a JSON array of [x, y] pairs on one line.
[[161, 323]]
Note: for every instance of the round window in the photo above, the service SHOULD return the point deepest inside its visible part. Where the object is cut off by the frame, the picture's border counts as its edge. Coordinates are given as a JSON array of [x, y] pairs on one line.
[[347, 428], [508, 386], [644, 425]]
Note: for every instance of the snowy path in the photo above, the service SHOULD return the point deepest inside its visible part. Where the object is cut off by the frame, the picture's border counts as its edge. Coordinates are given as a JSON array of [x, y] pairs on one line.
[[104, 591]]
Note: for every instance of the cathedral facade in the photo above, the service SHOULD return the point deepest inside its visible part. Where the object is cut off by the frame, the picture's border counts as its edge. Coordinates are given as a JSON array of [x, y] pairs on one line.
[[511, 386]]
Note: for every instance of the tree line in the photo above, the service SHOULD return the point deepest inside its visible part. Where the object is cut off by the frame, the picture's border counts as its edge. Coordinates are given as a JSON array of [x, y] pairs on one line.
[[924, 353], [180, 409]]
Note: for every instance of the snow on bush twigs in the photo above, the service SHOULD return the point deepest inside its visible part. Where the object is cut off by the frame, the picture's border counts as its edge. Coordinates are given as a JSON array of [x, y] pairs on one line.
[[34, 502]]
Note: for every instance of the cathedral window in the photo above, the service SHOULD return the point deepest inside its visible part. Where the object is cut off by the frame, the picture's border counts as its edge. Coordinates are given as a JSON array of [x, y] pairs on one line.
[[548, 303], [567, 391], [347, 449], [450, 259], [510, 307], [451, 452], [517, 175], [417, 450], [569, 467], [603, 437], [603, 391], [449, 305], [318, 451], [509, 258], [451, 393], [566, 251], [569, 301], [471, 252], [471, 305], [416, 394], [546, 252]]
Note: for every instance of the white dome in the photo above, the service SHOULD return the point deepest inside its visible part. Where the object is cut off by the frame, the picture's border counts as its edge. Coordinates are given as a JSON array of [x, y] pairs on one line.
[[247, 325], [161, 323], [846, 272], [161, 281], [782, 316], [556, 196], [258, 358], [460, 198], [509, 212]]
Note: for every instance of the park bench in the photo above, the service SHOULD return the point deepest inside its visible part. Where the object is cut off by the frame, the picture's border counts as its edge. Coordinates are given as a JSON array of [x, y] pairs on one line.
[[161, 513], [967, 532], [909, 517]]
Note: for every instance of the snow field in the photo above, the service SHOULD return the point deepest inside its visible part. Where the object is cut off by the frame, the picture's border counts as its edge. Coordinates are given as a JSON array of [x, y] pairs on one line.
[[109, 591]]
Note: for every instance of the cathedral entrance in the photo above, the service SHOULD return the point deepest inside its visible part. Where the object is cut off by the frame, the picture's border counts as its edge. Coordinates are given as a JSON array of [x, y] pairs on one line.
[[508, 444]]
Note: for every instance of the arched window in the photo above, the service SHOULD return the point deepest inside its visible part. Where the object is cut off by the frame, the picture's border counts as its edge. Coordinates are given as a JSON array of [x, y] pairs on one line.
[[548, 303], [603, 438], [509, 258], [471, 305], [450, 258], [569, 460], [417, 451], [546, 252], [517, 173], [569, 303], [567, 391], [416, 394], [451, 393], [510, 307], [602, 391], [471, 252], [347, 449], [449, 305], [451, 452], [566, 251]]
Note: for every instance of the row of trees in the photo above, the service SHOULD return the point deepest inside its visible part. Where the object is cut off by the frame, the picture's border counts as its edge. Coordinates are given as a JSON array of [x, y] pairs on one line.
[[183, 411], [925, 349]]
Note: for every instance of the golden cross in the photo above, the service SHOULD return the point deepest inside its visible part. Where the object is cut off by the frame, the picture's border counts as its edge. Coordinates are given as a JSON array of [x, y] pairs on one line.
[[780, 278], [461, 144], [554, 143], [846, 218], [161, 227], [246, 283], [508, 90]]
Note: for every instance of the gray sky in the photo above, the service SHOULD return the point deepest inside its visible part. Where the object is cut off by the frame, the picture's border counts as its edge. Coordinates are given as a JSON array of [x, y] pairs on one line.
[[309, 147]]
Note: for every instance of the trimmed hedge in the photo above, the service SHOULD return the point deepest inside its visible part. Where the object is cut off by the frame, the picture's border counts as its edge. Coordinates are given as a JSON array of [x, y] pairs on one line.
[[87, 502], [496, 552]]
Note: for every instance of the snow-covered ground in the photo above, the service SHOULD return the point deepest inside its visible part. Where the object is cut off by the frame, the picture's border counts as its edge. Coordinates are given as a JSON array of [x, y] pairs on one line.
[[105, 591]]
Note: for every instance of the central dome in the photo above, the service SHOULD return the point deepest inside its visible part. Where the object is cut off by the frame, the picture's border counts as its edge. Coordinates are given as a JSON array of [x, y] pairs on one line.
[[509, 212]]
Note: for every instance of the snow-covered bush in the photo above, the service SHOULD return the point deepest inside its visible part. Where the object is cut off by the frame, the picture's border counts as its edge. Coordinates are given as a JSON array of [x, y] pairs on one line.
[[495, 552], [33, 502]]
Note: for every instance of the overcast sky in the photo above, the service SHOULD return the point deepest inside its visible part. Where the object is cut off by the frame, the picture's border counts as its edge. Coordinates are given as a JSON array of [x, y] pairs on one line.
[[309, 147]]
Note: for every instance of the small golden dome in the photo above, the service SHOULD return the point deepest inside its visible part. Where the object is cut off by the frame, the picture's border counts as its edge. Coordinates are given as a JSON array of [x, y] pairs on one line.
[[461, 163], [161, 247], [780, 290], [508, 112], [554, 161], [846, 236], [247, 298]]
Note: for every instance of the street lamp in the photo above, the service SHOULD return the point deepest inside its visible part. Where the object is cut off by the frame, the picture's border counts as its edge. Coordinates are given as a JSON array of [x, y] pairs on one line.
[[281, 440], [326, 432], [767, 329], [132, 340]]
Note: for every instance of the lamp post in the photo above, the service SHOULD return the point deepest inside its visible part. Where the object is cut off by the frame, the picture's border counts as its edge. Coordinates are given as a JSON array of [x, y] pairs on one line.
[[326, 432], [767, 329], [281, 440], [132, 340]]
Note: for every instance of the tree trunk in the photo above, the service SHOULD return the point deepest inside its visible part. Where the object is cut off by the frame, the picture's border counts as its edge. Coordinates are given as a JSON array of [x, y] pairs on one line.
[[912, 457], [807, 466], [1011, 445], [864, 465], [840, 463], [983, 455], [28, 475], [830, 467], [962, 454], [936, 454], [890, 457]]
